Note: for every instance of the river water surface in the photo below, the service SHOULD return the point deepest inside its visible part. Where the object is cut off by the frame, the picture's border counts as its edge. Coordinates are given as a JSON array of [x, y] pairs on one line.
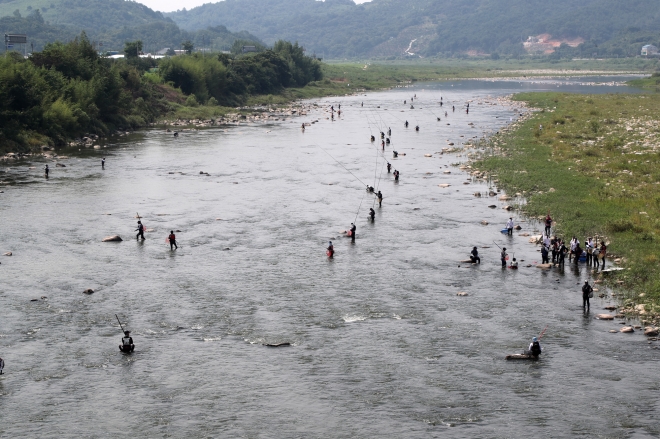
[[381, 344]]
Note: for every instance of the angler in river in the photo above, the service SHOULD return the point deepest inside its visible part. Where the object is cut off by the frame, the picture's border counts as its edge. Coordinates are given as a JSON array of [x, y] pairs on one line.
[[389, 167], [330, 250], [140, 231], [406, 124], [372, 214], [353, 229], [370, 189], [503, 257], [417, 128], [127, 342], [380, 198], [396, 175], [474, 256], [373, 138], [46, 170], [103, 163], [172, 240], [587, 293], [535, 348]]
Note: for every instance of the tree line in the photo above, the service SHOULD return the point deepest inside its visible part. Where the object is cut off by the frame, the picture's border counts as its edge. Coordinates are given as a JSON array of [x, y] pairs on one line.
[[68, 89]]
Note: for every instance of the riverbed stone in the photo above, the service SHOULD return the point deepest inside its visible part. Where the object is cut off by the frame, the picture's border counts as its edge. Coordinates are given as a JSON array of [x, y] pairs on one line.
[[651, 331], [113, 238], [88, 291], [604, 316], [462, 293], [7, 254], [627, 329]]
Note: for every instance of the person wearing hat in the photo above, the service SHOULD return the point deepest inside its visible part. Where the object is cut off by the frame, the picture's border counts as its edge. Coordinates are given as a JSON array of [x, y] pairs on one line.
[[503, 256], [535, 347], [331, 250], [587, 293], [474, 256], [127, 342], [140, 231], [353, 229]]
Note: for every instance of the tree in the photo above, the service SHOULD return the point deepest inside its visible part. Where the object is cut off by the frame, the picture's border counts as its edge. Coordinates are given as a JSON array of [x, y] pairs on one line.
[[188, 46], [132, 49]]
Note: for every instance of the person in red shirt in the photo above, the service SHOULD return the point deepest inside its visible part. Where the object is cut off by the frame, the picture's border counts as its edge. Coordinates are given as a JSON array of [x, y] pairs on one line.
[[172, 239]]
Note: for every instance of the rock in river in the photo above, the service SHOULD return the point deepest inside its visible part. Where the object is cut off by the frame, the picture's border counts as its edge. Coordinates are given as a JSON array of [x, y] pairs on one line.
[[627, 329], [604, 316], [88, 291], [113, 238], [651, 331]]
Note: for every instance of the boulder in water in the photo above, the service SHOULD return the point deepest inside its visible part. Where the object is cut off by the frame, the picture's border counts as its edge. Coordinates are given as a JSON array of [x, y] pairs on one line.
[[88, 291], [627, 329], [604, 316], [444, 185], [7, 254], [462, 294], [113, 238], [492, 206], [484, 222], [651, 331], [544, 266]]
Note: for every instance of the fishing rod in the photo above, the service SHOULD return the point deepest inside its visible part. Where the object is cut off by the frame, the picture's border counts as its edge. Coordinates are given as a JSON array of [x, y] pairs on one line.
[[122, 328], [542, 332]]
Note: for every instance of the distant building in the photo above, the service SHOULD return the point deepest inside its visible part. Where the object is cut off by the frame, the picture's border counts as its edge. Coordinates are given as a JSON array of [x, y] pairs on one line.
[[649, 50], [247, 49]]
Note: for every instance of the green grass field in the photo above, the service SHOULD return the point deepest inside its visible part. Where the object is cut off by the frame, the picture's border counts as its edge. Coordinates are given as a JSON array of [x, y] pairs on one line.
[[595, 167]]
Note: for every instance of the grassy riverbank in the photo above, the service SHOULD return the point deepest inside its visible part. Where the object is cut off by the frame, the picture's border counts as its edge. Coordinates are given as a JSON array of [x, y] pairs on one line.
[[595, 167]]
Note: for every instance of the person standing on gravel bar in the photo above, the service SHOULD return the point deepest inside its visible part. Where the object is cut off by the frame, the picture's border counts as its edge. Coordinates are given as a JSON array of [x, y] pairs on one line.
[[172, 239], [587, 293], [140, 231], [602, 253]]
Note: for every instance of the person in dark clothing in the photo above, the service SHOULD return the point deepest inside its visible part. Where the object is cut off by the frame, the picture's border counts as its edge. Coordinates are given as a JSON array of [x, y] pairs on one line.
[[127, 342], [503, 257], [46, 170], [382, 144], [382, 135], [380, 198], [396, 175], [587, 293], [389, 167], [372, 214], [389, 132], [453, 108], [395, 154], [602, 253], [561, 253], [331, 250], [103, 163], [548, 225], [474, 256], [578, 252], [353, 229], [387, 140], [140, 231], [406, 124], [535, 348], [373, 138], [544, 255], [370, 188], [172, 239], [417, 128], [554, 246]]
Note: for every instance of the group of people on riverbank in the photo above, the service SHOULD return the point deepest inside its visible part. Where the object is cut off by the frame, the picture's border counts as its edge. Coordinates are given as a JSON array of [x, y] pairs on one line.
[[592, 253]]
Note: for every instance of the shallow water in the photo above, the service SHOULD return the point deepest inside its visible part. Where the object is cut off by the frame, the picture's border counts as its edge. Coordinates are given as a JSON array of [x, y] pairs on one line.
[[382, 346]]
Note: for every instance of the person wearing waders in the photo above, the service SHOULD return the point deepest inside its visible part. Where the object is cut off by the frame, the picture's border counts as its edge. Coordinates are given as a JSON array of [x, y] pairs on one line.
[[587, 293], [389, 132], [396, 175], [535, 348], [380, 198], [548, 224], [331, 250], [389, 167], [544, 254], [353, 229], [127, 342], [46, 170], [406, 124], [509, 227], [503, 257], [172, 239], [474, 256], [453, 108], [140, 231], [103, 163], [372, 214], [417, 128], [382, 144]]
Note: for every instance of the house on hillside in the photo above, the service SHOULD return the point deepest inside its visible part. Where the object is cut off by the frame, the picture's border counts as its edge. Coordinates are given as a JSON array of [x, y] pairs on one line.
[[247, 49], [649, 50]]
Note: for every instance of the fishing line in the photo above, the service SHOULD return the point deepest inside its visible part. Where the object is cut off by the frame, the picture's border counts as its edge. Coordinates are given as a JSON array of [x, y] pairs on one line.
[[342, 165]]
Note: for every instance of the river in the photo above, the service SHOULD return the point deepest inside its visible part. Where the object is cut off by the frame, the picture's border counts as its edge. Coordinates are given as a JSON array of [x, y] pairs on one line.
[[382, 346]]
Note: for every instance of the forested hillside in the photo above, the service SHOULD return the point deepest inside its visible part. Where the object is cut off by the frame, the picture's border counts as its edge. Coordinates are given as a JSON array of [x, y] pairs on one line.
[[339, 28], [107, 23]]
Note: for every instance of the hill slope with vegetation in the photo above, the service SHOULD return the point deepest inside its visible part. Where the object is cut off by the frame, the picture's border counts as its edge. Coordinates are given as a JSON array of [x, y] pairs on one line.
[[340, 28], [108, 24]]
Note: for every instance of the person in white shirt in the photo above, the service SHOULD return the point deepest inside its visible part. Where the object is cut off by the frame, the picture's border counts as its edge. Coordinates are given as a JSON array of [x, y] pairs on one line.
[[509, 226]]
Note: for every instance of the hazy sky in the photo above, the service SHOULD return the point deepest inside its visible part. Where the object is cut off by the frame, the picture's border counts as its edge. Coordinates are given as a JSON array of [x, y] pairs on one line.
[[173, 5]]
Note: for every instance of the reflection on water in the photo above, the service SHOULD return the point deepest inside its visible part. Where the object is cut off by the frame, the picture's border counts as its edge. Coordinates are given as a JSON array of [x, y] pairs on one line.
[[381, 343]]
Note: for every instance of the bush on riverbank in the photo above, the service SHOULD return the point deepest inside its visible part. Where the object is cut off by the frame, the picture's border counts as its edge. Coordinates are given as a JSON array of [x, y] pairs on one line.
[[599, 154]]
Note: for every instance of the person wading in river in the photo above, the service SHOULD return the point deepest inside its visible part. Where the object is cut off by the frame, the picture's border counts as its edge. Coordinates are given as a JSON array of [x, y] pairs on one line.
[[587, 293], [372, 214], [380, 199], [353, 229], [127, 342], [389, 167], [535, 348], [509, 227], [331, 250], [503, 257], [172, 239], [140, 231], [548, 224], [474, 256]]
